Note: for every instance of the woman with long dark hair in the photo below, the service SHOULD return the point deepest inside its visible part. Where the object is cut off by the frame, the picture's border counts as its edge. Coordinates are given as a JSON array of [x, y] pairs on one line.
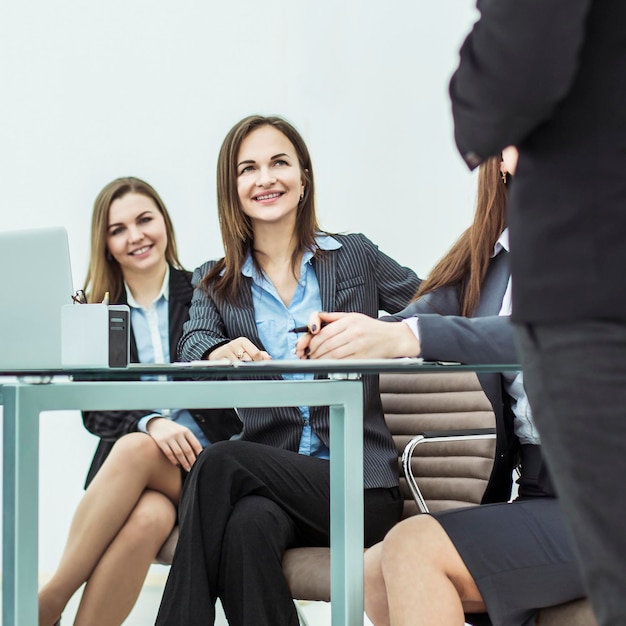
[[247, 501], [507, 559]]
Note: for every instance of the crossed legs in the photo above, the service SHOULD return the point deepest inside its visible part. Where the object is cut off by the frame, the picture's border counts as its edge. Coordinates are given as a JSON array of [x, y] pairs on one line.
[[244, 505], [123, 519], [416, 576]]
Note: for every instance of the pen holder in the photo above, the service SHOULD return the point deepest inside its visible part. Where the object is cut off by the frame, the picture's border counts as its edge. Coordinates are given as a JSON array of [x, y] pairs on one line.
[[95, 335]]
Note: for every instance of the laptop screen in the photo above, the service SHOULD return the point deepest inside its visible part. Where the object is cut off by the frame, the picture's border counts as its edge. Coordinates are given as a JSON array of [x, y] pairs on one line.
[[35, 282]]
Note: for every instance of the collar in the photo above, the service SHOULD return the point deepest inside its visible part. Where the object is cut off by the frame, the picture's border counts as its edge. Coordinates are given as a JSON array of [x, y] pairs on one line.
[[322, 241], [502, 243], [164, 293]]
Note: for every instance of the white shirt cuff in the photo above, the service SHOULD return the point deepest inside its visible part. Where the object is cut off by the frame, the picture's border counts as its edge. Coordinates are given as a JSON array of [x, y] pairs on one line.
[[412, 323]]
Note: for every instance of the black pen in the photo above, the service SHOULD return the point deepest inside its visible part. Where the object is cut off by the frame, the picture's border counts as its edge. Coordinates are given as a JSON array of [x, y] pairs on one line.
[[303, 329]]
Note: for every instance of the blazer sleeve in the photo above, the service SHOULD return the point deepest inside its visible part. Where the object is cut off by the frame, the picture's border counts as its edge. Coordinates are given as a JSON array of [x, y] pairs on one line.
[[473, 340], [205, 328], [111, 425], [447, 336], [396, 284], [516, 65]]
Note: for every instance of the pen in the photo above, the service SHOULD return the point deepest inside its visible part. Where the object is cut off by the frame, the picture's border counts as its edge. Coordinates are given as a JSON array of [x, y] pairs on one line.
[[303, 329], [79, 297]]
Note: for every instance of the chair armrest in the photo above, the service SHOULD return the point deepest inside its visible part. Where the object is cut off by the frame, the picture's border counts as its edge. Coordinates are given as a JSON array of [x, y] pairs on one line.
[[432, 437]]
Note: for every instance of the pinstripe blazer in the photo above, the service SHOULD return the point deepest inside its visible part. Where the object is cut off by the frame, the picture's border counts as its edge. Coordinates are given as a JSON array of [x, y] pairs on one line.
[[356, 277], [217, 424]]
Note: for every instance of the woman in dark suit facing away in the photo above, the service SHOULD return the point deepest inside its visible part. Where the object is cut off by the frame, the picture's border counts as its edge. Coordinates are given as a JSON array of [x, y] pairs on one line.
[[247, 501], [136, 477], [506, 559]]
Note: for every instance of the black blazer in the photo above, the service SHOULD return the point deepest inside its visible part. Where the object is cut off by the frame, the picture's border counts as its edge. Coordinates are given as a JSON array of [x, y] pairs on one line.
[[355, 277], [550, 78], [217, 424], [445, 335]]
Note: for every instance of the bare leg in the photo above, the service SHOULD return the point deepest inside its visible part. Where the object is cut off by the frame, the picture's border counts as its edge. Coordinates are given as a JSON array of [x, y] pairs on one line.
[[376, 606], [427, 582], [134, 465], [114, 585]]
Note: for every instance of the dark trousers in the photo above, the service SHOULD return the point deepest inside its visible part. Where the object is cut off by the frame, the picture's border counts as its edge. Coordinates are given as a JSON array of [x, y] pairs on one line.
[[243, 505], [575, 377]]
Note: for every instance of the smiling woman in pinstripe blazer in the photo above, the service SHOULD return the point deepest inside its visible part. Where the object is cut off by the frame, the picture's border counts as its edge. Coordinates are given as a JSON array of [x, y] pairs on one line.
[[249, 500]]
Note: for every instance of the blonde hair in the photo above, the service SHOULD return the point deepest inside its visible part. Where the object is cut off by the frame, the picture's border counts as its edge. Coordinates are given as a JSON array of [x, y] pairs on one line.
[[104, 272]]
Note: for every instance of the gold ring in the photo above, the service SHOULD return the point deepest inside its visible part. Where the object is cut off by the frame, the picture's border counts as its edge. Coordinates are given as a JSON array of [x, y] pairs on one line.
[[239, 354]]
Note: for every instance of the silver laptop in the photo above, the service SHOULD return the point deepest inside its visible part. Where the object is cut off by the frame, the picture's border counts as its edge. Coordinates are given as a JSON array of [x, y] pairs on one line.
[[35, 282]]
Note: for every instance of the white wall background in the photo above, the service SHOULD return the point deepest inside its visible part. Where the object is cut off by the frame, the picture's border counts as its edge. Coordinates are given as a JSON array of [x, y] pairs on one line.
[[96, 90]]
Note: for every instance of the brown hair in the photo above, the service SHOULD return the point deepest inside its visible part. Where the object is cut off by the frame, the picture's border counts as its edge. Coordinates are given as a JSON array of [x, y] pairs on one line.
[[236, 228], [104, 272], [467, 261]]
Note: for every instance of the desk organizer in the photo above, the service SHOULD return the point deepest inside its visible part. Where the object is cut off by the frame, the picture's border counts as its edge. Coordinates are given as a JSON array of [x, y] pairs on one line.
[[95, 335]]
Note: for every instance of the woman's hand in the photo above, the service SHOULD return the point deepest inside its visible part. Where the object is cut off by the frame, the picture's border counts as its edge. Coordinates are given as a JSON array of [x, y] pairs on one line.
[[240, 349], [177, 442], [356, 336], [510, 156]]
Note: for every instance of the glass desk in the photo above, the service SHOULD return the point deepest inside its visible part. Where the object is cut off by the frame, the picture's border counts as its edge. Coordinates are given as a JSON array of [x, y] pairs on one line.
[[203, 385]]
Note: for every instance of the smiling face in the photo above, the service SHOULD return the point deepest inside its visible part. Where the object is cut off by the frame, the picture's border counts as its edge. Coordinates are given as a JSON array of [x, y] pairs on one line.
[[136, 234], [269, 178]]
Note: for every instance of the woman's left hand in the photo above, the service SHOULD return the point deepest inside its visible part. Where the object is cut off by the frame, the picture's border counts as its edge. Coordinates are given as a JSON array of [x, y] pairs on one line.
[[240, 349], [177, 442]]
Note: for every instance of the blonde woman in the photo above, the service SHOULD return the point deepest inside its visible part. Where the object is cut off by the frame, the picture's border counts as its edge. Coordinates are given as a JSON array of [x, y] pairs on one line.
[[137, 474]]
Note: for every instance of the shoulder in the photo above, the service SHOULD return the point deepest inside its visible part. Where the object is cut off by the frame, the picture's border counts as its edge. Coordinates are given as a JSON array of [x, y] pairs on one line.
[[200, 272], [358, 240], [180, 275], [441, 301], [180, 285], [355, 244]]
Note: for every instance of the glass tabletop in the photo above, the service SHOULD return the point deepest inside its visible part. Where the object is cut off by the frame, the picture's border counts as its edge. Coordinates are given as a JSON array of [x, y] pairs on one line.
[[196, 370]]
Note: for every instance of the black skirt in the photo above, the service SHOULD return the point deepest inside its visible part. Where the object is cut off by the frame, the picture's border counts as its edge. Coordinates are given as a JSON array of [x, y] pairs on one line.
[[519, 554]]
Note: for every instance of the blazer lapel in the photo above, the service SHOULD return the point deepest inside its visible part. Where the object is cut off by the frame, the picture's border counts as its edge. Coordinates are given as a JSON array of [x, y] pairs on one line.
[[179, 303], [494, 285], [326, 271]]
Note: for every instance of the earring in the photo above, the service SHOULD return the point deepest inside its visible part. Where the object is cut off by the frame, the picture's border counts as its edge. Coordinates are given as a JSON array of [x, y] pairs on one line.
[[109, 256], [302, 195], [504, 176]]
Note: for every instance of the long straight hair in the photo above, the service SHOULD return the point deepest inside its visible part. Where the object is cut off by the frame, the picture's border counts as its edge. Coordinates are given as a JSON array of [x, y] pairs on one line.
[[225, 278], [466, 263], [104, 272]]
